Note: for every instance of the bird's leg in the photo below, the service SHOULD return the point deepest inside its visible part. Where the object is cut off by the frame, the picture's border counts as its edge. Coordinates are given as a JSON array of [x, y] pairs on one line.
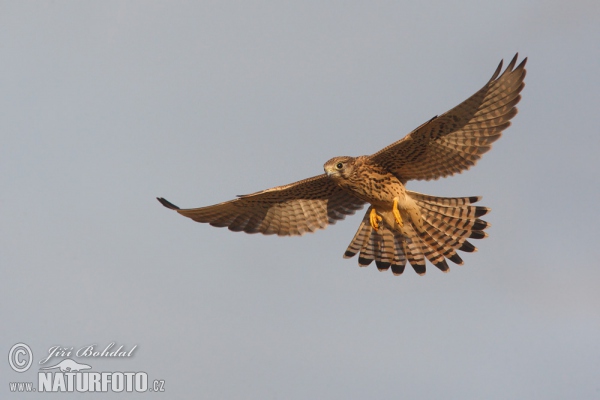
[[374, 219], [396, 213]]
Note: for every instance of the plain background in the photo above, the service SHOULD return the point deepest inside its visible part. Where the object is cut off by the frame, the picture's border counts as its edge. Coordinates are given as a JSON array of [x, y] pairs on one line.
[[106, 105]]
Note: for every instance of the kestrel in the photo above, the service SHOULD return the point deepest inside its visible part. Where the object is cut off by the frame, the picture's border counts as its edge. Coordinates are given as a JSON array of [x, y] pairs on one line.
[[399, 226]]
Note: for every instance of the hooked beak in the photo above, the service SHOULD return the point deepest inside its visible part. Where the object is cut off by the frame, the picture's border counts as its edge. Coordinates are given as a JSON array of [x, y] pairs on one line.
[[331, 171]]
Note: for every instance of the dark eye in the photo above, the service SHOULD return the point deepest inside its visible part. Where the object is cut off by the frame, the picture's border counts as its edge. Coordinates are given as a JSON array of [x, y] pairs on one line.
[[339, 165]]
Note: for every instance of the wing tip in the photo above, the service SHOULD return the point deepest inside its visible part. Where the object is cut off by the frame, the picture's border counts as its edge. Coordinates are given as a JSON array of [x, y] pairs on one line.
[[497, 71], [511, 64], [510, 67], [167, 203]]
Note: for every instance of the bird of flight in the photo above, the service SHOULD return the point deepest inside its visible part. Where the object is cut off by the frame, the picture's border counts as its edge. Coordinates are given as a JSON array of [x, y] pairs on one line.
[[399, 226]]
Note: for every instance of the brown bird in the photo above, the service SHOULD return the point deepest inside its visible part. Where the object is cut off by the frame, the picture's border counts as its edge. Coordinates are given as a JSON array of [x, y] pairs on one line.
[[400, 225]]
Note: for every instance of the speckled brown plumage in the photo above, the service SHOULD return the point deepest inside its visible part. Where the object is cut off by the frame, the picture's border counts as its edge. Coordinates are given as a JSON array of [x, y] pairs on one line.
[[288, 210], [412, 226]]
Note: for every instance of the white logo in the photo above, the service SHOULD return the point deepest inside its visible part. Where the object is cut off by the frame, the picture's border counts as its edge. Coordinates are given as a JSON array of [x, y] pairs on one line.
[[69, 375], [69, 365], [14, 357]]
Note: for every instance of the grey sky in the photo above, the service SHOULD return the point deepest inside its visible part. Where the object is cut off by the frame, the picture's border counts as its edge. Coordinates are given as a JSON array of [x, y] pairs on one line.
[[106, 105]]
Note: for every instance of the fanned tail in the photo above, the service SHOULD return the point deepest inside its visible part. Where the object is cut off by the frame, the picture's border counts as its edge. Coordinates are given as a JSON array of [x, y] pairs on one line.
[[385, 247], [447, 223]]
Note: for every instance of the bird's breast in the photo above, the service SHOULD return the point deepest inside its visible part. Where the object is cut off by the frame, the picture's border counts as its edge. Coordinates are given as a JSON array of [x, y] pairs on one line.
[[376, 187]]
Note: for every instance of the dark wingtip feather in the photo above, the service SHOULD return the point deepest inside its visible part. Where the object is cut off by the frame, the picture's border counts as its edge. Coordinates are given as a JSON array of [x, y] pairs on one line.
[[167, 203], [497, 72], [512, 63], [474, 199], [522, 64]]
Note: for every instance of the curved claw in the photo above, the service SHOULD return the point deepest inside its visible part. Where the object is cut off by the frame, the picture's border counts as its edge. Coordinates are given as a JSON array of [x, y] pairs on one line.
[[374, 219]]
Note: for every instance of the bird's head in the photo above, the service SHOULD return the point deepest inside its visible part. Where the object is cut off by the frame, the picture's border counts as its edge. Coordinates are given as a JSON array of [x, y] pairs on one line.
[[339, 168]]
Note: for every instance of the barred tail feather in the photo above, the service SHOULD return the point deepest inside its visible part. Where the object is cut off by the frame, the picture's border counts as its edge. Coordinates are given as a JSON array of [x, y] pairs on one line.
[[383, 247], [447, 223], [414, 250], [400, 255]]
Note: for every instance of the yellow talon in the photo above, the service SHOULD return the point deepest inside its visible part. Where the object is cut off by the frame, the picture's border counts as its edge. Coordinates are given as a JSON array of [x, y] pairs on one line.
[[374, 219], [396, 213]]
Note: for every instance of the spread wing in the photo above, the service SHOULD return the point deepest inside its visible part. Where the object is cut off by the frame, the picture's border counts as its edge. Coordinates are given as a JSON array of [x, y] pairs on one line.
[[455, 140], [288, 210]]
